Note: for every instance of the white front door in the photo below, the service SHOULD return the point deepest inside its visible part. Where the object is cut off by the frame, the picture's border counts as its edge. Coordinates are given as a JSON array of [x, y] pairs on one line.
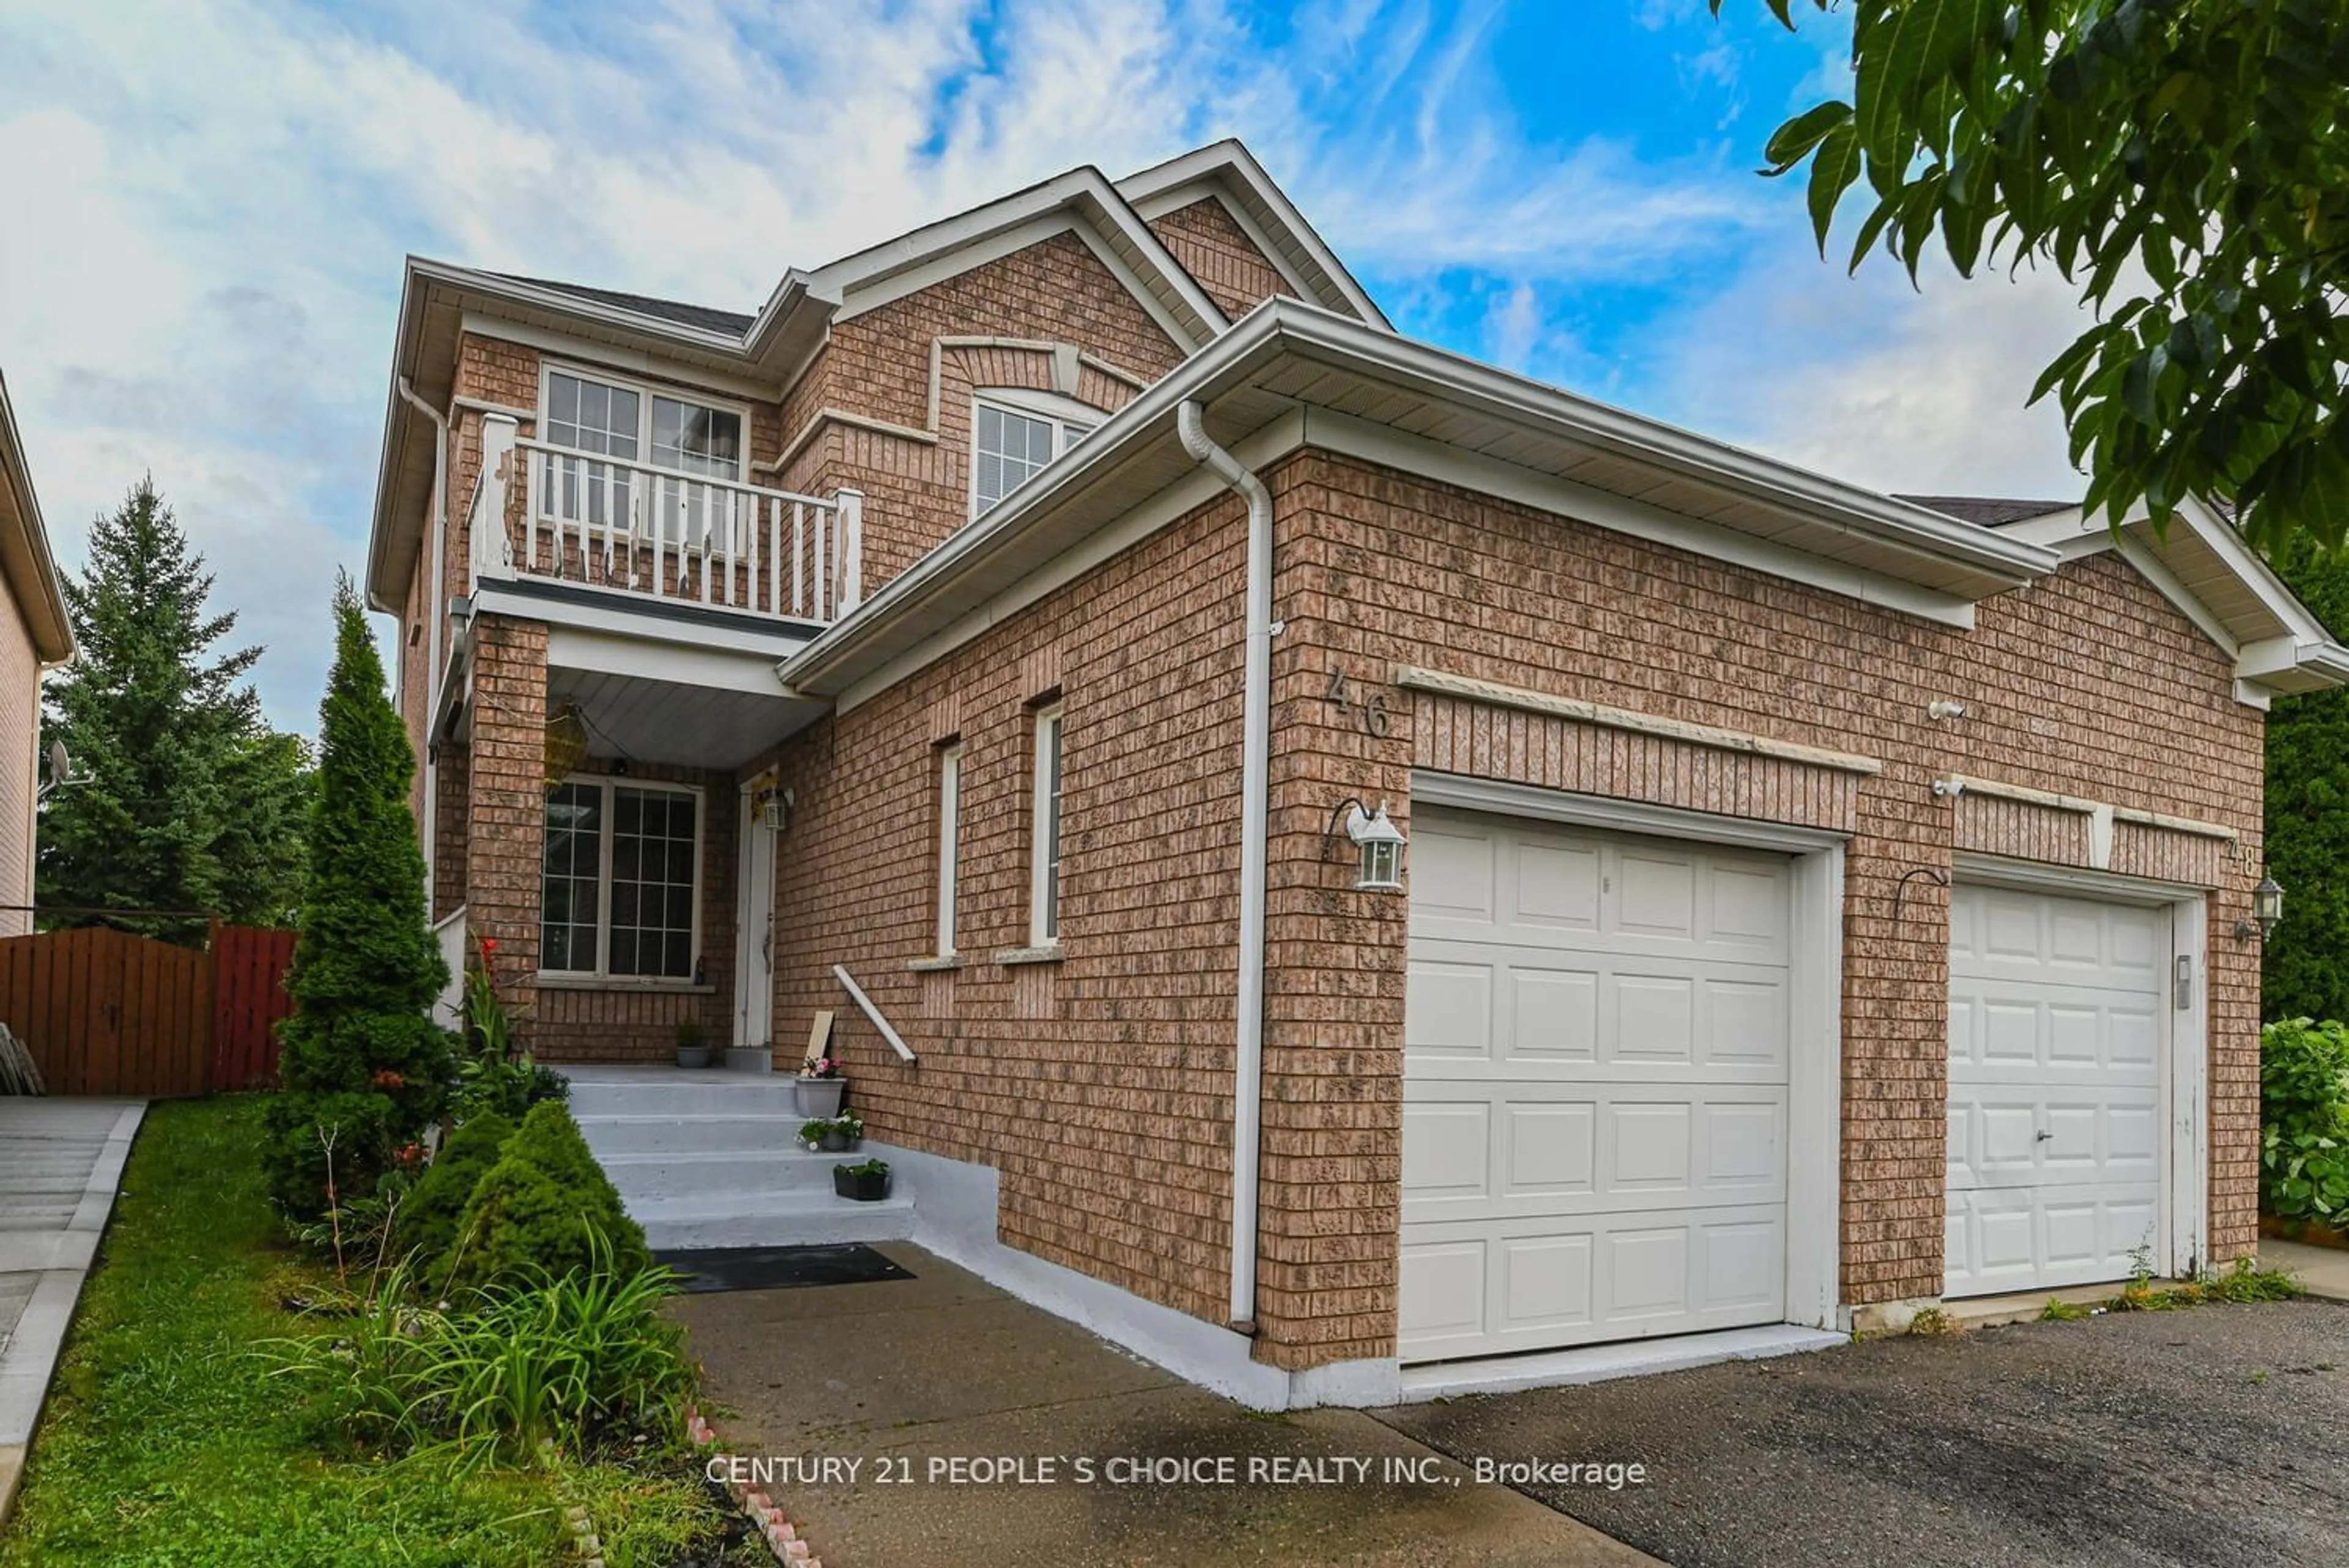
[[754, 930], [1595, 1087], [2058, 1011]]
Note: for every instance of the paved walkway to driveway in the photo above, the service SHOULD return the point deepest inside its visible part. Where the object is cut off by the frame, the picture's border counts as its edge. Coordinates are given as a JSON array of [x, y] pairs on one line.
[[945, 1367], [2210, 1435], [60, 1160], [2320, 1270]]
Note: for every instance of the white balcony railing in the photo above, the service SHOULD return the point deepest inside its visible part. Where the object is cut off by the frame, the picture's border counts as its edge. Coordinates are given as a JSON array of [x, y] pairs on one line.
[[629, 527]]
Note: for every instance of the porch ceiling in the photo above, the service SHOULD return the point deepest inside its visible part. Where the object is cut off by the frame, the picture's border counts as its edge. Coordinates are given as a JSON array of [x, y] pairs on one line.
[[652, 721]]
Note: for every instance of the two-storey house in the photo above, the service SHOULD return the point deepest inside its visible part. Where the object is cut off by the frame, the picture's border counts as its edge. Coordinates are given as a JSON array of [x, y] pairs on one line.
[[1351, 871]]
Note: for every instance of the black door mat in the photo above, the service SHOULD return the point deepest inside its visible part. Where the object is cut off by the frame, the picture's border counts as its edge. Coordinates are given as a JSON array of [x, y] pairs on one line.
[[780, 1268]]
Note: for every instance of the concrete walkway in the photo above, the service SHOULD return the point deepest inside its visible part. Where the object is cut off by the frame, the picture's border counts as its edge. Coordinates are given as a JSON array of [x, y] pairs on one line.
[[895, 1382], [2323, 1271], [60, 1160]]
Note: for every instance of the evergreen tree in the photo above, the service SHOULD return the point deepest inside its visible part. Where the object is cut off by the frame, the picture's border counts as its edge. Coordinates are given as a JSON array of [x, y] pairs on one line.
[[2306, 960], [184, 799], [363, 1066]]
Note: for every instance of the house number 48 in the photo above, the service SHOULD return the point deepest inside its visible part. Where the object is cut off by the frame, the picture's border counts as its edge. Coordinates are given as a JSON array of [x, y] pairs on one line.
[[1366, 710]]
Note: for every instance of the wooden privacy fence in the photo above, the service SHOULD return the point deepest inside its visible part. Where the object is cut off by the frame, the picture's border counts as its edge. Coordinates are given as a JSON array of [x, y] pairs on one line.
[[106, 1012], [249, 964]]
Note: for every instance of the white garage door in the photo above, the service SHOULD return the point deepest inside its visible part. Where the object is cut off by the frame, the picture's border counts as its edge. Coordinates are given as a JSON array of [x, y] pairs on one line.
[[2056, 1034], [1595, 1088]]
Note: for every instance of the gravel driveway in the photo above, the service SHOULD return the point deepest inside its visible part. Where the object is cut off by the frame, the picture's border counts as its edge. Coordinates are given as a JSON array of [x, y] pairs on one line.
[[2218, 1434]]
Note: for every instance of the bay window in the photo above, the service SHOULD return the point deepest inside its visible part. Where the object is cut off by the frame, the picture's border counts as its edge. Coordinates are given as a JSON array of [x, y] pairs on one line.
[[620, 884]]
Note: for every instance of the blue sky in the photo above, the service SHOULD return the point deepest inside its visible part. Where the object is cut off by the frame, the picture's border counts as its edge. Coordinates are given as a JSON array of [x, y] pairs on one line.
[[206, 204]]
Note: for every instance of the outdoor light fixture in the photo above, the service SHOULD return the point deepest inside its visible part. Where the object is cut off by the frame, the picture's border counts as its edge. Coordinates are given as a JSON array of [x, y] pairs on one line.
[[566, 743], [1379, 842], [2267, 911]]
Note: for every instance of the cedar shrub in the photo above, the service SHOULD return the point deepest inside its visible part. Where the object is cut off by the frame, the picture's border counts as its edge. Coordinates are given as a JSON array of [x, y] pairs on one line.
[[360, 1054], [533, 1209], [434, 1206]]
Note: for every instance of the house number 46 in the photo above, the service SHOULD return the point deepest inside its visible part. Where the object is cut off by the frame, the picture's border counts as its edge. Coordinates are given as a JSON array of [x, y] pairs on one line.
[[1367, 710]]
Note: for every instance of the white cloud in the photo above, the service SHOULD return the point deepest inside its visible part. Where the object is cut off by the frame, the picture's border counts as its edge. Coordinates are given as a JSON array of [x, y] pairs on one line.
[[1920, 390], [208, 201]]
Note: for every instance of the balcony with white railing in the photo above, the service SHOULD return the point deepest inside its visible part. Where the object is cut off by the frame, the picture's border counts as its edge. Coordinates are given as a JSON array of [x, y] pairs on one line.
[[659, 537]]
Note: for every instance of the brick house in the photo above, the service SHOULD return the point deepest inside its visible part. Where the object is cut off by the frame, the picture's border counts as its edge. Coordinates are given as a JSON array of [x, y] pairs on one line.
[[1015, 640], [34, 635]]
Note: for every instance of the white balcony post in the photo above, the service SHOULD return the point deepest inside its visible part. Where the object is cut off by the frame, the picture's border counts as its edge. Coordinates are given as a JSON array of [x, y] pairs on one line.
[[852, 550], [491, 550]]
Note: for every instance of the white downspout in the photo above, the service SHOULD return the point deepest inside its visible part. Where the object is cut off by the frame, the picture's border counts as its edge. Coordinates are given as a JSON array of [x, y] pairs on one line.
[[434, 614], [1256, 749]]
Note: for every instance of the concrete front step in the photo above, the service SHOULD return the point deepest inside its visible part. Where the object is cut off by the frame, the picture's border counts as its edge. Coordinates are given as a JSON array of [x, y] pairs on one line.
[[614, 1136], [669, 1173], [690, 1094], [800, 1218]]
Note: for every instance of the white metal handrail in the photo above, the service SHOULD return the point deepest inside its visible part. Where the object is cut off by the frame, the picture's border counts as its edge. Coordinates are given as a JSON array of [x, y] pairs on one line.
[[856, 995], [613, 523]]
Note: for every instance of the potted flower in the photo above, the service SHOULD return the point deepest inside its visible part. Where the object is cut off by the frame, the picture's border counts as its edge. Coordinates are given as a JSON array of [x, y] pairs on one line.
[[692, 1046], [820, 1087], [833, 1135], [865, 1183]]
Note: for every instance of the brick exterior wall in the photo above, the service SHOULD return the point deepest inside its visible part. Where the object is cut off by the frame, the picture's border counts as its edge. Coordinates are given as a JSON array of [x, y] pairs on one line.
[[878, 364], [1100, 1086], [2088, 683], [1215, 251], [20, 747]]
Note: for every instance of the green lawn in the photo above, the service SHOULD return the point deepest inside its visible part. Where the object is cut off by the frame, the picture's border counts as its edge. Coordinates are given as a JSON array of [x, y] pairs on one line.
[[166, 1442]]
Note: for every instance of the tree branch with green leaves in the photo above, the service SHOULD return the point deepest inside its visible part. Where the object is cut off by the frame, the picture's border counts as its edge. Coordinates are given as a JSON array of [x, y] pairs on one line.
[[2184, 164]]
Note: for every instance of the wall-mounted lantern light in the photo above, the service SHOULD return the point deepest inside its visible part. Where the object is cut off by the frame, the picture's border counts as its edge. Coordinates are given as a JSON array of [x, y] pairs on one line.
[[1379, 843], [2267, 911]]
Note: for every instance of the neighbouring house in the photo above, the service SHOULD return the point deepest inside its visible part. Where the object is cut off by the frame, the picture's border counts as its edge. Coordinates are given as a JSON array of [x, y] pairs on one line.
[[1024, 642], [34, 635]]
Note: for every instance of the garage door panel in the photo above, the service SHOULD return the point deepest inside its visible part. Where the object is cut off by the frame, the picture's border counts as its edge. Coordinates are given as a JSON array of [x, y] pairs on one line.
[[1595, 1088], [2025, 1241], [1995, 1138], [1448, 1009], [1447, 1151], [1527, 1013], [1497, 1151], [1541, 1284], [2057, 1029], [1557, 888]]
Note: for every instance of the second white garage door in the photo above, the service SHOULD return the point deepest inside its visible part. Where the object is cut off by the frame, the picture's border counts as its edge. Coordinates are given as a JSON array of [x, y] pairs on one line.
[[1595, 1090], [2056, 1091]]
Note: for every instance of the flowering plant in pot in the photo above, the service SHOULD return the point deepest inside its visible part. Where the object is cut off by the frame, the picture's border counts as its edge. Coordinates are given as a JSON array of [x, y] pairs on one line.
[[865, 1183], [820, 1087], [832, 1134]]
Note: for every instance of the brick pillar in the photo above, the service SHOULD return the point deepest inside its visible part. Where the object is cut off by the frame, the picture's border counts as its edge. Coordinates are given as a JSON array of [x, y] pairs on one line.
[[505, 808]]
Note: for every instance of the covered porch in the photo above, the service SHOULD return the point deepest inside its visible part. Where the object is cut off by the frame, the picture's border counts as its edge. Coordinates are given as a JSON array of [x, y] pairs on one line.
[[602, 813]]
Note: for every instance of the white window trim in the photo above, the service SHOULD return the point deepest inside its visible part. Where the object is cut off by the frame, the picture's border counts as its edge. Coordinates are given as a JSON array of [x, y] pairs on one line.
[[1043, 891], [601, 972], [646, 392], [950, 772], [1057, 411]]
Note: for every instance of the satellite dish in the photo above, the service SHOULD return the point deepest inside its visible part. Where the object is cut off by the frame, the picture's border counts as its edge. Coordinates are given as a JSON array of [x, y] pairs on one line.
[[59, 763]]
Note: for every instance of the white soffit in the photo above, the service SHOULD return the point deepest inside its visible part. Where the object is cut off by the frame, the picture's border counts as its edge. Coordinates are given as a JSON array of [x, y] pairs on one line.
[[2204, 567]]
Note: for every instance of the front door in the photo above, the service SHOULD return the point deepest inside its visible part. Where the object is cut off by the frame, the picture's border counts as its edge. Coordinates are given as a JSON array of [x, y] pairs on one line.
[[754, 939]]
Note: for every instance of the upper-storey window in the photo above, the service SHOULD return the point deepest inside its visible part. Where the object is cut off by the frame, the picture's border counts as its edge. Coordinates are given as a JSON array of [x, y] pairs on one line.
[[637, 424], [1015, 433]]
